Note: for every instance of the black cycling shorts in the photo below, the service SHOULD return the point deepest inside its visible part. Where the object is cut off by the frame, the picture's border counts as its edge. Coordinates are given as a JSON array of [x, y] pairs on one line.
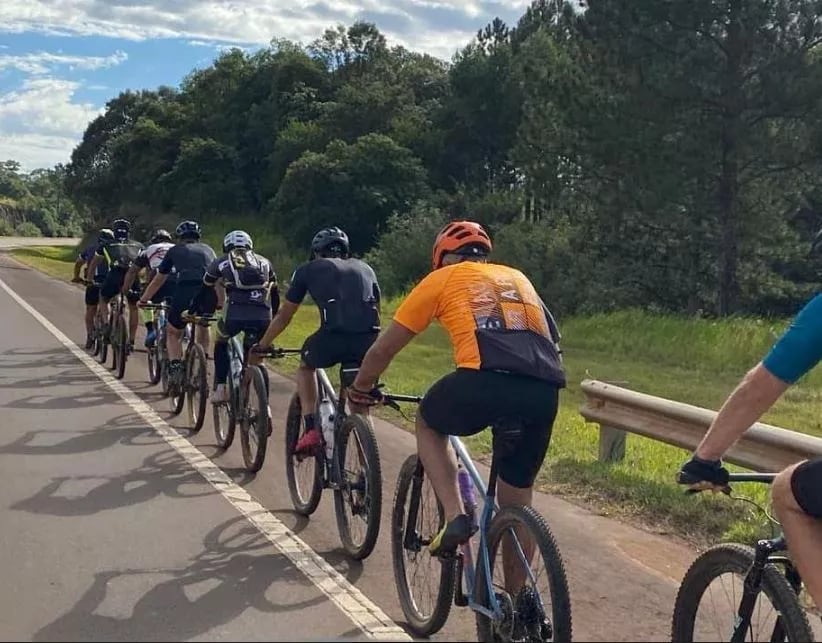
[[92, 295], [806, 484], [114, 282], [227, 328], [180, 302], [467, 401], [325, 348]]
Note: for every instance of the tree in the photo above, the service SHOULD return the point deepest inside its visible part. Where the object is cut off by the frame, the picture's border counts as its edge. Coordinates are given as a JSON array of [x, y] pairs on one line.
[[357, 187], [684, 124]]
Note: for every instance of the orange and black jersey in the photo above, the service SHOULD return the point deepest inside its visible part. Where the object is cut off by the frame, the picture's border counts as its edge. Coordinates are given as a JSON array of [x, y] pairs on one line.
[[494, 317]]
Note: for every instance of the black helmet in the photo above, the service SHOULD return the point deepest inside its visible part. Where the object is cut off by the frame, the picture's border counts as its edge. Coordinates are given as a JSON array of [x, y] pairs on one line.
[[121, 228], [188, 230], [105, 235], [331, 241], [160, 235]]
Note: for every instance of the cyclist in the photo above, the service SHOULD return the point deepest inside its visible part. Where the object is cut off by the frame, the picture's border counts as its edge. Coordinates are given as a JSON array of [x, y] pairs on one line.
[[251, 285], [347, 294], [508, 367], [797, 490], [189, 258], [92, 295], [118, 256], [149, 259]]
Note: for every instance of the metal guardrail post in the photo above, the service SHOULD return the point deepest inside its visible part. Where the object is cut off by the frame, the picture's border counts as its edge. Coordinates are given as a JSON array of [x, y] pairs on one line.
[[611, 444]]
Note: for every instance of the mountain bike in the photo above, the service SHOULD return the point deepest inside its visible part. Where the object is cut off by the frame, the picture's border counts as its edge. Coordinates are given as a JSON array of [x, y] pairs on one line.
[[157, 353], [119, 335], [763, 571], [247, 403], [349, 464], [194, 385], [97, 328], [511, 609]]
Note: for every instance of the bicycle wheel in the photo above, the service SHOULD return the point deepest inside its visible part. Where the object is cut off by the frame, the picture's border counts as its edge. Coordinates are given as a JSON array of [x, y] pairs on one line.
[[103, 335], [121, 354], [162, 355], [525, 615], [196, 384], [426, 606], [305, 477], [735, 560], [358, 499], [177, 394], [95, 347], [254, 420], [225, 418]]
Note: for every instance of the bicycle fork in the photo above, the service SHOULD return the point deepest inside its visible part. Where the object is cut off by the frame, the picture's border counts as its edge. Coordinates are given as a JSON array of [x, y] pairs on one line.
[[751, 588]]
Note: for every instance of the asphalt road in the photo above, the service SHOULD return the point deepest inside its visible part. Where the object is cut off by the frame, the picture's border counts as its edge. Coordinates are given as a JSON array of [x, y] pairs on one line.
[[115, 528]]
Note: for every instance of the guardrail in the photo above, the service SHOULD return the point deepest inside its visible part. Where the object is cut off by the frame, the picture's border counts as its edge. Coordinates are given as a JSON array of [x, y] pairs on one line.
[[618, 411]]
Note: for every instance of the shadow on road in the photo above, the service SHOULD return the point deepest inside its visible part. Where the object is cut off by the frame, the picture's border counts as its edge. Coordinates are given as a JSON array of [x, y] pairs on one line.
[[37, 358], [235, 567], [101, 437], [164, 473]]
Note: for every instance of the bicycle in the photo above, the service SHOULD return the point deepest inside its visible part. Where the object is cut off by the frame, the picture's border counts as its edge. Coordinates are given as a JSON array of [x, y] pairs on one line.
[[97, 327], [357, 487], [765, 569], [244, 381], [118, 336], [194, 385], [466, 578], [157, 353]]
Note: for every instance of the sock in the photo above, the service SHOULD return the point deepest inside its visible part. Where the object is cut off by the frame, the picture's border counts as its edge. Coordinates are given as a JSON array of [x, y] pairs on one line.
[[309, 422]]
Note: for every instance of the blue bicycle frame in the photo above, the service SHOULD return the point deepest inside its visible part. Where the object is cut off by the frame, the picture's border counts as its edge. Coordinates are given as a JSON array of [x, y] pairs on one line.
[[494, 610]]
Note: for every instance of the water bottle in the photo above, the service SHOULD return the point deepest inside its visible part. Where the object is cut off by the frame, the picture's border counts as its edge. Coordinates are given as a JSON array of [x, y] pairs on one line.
[[327, 424], [469, 500]]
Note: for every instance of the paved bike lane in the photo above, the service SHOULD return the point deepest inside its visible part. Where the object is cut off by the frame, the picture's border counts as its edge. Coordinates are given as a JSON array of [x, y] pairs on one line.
[[623, 580], [107, 533]]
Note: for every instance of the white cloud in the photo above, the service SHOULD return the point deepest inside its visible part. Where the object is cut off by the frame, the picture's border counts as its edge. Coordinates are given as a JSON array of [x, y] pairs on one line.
[[40, 123], [42, 62], [446, 24]]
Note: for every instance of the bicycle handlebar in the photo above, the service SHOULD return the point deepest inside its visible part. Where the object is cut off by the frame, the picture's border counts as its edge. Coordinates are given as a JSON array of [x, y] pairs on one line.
[[393, 397], [766, 478], [150, 306], [277, 352]]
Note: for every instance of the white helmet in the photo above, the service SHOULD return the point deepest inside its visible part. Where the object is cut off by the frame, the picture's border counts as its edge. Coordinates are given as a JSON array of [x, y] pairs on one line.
[[237, 239]]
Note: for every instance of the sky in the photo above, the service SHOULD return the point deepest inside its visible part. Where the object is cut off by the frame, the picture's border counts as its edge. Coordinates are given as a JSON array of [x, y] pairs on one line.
[[61, 60]]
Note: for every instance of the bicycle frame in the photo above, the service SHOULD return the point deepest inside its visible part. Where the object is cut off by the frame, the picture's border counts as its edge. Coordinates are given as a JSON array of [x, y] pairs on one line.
[[763, 555], [468, 571]]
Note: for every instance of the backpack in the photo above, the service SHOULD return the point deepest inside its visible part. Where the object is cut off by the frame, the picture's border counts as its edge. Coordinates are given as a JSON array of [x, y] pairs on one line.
[[249, 270]]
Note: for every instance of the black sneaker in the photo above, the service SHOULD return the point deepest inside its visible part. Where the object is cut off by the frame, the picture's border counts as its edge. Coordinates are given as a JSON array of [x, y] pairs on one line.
[[455, 533]]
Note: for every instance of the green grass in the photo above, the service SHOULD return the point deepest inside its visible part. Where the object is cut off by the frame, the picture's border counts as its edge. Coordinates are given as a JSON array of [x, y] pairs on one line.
[[691, 360], [57, 261]]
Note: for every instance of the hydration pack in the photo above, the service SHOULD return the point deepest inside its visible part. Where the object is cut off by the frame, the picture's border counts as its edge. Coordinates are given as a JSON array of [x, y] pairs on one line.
[[249, 271]]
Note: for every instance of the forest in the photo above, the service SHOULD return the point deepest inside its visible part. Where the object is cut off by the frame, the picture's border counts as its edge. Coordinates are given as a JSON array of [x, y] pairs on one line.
[[633, 153]]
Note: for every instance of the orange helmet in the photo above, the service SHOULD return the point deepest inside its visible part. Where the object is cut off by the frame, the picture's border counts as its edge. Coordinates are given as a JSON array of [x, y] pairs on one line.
[[459, 234]]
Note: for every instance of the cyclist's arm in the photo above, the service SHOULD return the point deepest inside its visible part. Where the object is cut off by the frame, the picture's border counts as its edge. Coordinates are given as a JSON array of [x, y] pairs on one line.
[[413, 316], [128, 280], [79, 262], [92, 269], [155, 285], [280, 322], [379, 356], [796, 352]]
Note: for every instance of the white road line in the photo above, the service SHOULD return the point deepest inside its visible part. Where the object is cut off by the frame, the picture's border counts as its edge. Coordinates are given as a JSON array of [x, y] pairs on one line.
[[351, 601]]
